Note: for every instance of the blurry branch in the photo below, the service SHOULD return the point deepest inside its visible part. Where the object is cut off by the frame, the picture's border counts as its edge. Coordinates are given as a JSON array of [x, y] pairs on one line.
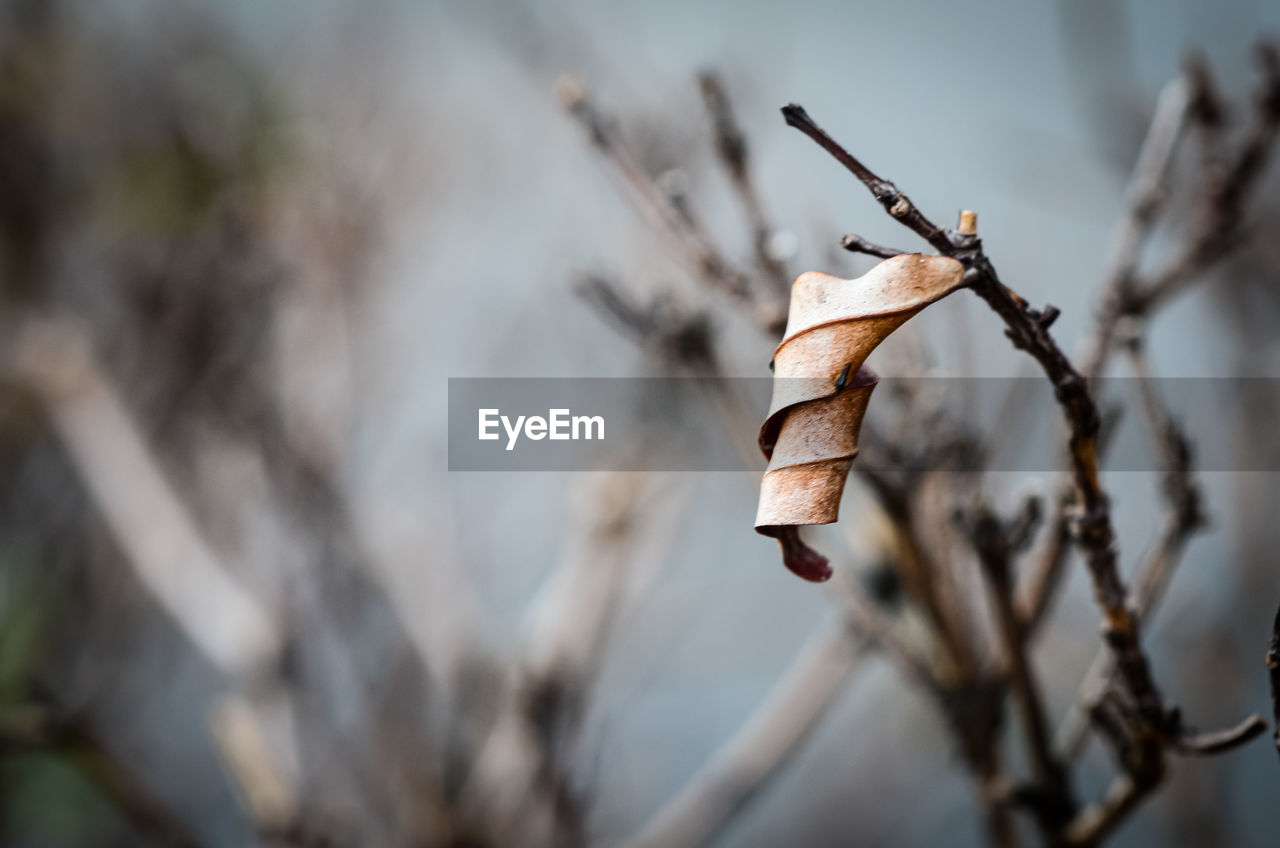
[[873, 625], [1222, 217], [40, 729], [1146, 195], [762, 746], [683, 339], [1104, 705], [679, 336], [521, 783], [996, 542], [604, 566], [969, 702], [1143, 768], [1229, 182], [244, 750], [1127, 298], [1046, 573], [422, 580], [922, 575], [1190, 100], [163, 545], [731, 145], [703, 257]]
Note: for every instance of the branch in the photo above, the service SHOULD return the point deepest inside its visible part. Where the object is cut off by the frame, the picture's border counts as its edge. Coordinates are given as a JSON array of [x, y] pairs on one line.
[[886, 193], [995, 543], [701, 255], [1097, 821], [1191, 98], [855, 243], [153, 527], [1186, 516], [163, 545], [1046, 575], [687, 340], [763, 746], [1027, 329], [1221, 223], [1146, 195], [731, 145], [520, 769]]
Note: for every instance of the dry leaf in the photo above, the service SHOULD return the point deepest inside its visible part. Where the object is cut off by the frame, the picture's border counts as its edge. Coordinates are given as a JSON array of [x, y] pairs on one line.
[[821, 389]]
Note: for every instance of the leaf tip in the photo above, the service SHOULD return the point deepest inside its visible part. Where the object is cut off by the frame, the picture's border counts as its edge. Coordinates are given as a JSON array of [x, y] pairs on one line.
[[800, 559]]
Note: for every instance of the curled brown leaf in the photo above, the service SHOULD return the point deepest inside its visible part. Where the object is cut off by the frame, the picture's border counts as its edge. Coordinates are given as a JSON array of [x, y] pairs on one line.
[[821, 388]]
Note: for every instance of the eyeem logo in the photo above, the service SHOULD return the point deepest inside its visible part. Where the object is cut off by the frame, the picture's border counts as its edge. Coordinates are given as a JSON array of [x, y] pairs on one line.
[[559, 425]]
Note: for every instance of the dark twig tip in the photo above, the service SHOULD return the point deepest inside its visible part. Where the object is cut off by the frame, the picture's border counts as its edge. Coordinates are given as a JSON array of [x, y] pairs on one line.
[[855, 243], [795, 115]]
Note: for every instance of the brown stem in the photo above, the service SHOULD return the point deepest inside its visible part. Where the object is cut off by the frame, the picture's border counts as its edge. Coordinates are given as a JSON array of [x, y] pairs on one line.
[[1054, 801]]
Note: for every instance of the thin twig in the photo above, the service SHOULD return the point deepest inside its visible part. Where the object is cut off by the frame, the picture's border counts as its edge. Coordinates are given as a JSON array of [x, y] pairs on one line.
[[704, 258], [855, 243], [897, 204], [731, 145]]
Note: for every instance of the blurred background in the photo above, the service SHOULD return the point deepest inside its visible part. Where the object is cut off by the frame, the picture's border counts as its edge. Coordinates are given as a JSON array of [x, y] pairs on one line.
[[244, 245]]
